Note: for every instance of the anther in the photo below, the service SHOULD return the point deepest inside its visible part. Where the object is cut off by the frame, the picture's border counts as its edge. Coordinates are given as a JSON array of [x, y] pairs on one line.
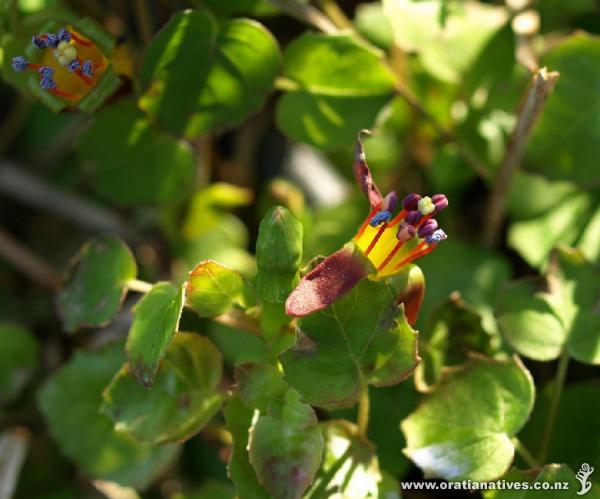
[[389, 202], [428, 228], [46, 72], [440, 201], [47, 83], [410, 202], [74, 65], [64, 35], [380, 217], [52, 40], [437, 236], [20, 64], [86, 69], [405, 232], [39, 42], [412, 217], [425, 206]]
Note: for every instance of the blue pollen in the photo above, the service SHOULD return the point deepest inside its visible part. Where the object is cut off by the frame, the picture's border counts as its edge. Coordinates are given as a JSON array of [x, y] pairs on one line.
[[74, 65], [39, 42], [380, 217], [64, 35], [52, 40], [86, 69], [19, 63], [46, 72], [438, 236], [47, 83]]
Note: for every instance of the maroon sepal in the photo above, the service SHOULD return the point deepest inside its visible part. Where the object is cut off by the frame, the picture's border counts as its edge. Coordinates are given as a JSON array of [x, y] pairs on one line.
[[410, 285], [332, 278], [363, 174]]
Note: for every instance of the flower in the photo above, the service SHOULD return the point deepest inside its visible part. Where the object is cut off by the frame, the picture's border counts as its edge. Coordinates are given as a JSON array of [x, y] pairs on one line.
[[76, 66], [383, 246]]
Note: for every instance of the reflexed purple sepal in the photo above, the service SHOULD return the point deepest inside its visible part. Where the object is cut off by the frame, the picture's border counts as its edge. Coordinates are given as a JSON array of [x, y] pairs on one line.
[[363, 174], [332, 278]]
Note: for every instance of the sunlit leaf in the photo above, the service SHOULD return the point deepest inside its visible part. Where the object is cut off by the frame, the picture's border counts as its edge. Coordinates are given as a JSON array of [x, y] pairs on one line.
[[70, 402], [96, 284], [338, 86], [183, 398], [156, 320], [200, 74], [463, 429], [364, 334]]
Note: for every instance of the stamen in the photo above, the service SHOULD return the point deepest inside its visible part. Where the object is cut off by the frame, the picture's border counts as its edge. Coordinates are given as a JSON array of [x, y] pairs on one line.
[[80, 40], [392, 254], [61, 93], [412, 218], [380, 217], [20, 64], [86, 69], [47, 83], [428, 228], [64, 35], [437, 236], [440, 201], [409, 203], [376, 238], [366, 222], [39, 42], [425, 206], [46, 72], [51, 40], [417, 252], [405, 233]]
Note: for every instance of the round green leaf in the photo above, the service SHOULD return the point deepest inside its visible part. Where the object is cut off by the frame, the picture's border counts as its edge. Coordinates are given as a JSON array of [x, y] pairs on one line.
[[18, 359], [183, 398], [364, 334], [213, 289], [463, 429], [570, 152], [199, 74], [96, 284], [133, 161], [286, 447], [155, 322], [258, 384], [70, 402], [336, 86]]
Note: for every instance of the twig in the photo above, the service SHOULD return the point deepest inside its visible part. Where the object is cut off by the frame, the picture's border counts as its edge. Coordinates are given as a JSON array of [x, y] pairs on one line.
[[333, 11], [559, 382], [533, 101], [14, 443], [142, 18], [139, 286], [18, 184], [525, 454], [306, 14], [27, 262]]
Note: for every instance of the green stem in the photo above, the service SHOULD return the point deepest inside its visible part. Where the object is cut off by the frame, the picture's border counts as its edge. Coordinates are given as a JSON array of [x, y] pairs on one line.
[[363, 409], [525, 454], [559, 381], [142, 17]]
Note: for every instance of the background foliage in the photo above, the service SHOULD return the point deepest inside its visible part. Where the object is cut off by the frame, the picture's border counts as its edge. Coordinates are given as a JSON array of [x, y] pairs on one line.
[[147, 249]]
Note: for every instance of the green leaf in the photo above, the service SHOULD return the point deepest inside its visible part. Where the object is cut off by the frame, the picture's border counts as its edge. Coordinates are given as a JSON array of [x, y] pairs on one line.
[[18, 360], [259, 384], [182, 400], [448, 49], [213, 289], [453, 329], [350, 466], [70, 402], [463, 429], [155, 321], [364, 334], [371, 22], [134, 162], [539, 321], [336, 86], [561, 224], [570, 152], [96, 284], [200, 74], [286, 447], [239, 7], [278, 254], [579, 408], [550, 476], [238, 418]]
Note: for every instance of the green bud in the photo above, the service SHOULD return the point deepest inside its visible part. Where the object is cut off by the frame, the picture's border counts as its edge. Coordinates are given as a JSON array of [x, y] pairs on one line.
[[278, 254]]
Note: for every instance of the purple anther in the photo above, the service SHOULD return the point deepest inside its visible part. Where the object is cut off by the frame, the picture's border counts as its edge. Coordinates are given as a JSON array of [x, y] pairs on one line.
[[405, 232], [380, 217], [46, 72], [39, 42], [440, 201], [64, 35], [410, 202], [428, 228], [86, 69], [390, 201], [74, 65], [47, 83], [438, 236], [19, 63], [412, 217]]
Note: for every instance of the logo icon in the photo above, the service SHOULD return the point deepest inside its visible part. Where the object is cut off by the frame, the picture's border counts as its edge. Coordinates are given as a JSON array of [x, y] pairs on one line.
[[582, 475]]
